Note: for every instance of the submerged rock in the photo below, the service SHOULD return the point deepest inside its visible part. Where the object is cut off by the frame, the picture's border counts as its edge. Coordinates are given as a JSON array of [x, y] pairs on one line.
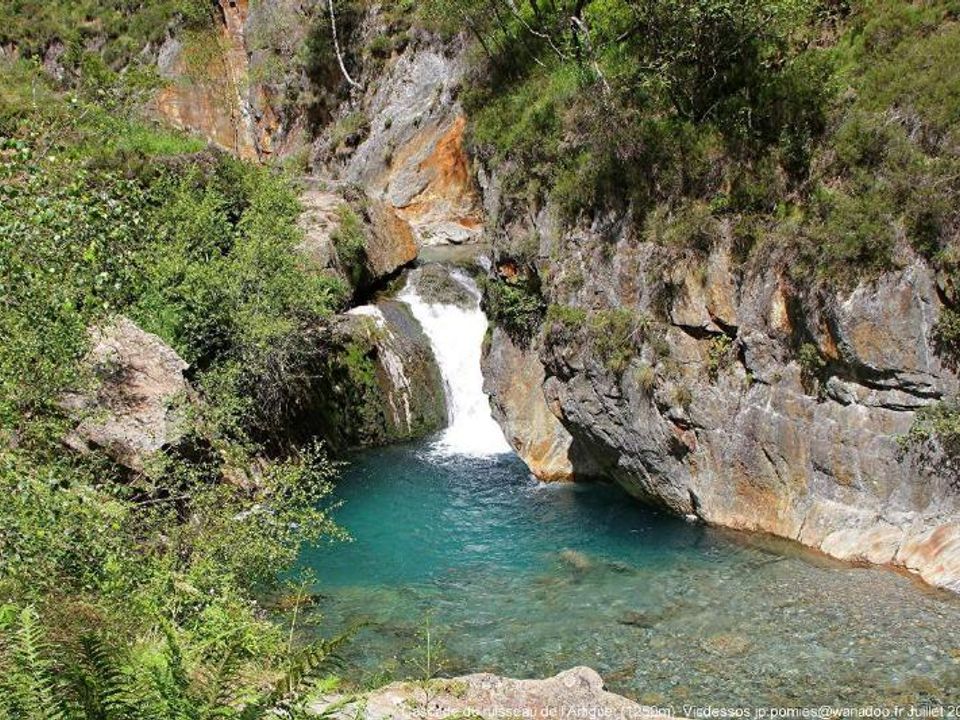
[[576, 560], [436, 286], [575, 693], [134, 407]]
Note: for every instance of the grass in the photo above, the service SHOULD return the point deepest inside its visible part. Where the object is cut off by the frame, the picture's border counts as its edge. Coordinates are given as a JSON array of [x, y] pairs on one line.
[[828, 132]]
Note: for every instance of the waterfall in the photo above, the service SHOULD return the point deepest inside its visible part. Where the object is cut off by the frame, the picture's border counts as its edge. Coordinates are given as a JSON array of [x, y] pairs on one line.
[[456, 335]]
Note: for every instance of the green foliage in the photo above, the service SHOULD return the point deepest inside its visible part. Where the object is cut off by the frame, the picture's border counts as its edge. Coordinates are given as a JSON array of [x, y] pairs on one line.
[[99, 680], [350, 129], [616, 335], [719, 354], [564, 323], [350, 242], [939, 422], [946, 337], [646, 377], [134, 594], [821, 128], [515, 307], [123, 28], [642, 102]]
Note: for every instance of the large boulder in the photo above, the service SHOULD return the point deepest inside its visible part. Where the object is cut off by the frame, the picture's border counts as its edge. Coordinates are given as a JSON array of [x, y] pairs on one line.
[[514, 378], [388, 244], [134, 407], [382, 383], [575, 693]]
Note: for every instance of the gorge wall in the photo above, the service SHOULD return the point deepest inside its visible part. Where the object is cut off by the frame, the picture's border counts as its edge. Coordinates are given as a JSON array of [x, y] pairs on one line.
[[747, 402], [721, 390]]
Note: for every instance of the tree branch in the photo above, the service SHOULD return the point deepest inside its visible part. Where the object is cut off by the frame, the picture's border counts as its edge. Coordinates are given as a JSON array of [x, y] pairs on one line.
[[336, 47]]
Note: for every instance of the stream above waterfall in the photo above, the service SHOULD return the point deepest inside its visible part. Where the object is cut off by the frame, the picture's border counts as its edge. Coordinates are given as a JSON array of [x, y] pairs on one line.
[[526, 579]]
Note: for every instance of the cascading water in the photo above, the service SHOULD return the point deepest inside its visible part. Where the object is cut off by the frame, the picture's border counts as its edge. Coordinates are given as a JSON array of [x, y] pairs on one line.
[[456, 335]]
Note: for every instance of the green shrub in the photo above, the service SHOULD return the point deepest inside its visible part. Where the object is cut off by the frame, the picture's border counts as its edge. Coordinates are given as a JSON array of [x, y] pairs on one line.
[[719, 355], [646, 377], [350, 242], [940, 422], [564, 323], [139, 588], [616, 335], [515, 307], [946, 337], [350, 129], [821, 134]]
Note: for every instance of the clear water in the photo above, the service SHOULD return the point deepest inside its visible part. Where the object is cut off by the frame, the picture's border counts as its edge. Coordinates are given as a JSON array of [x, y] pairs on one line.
[[526, 580]]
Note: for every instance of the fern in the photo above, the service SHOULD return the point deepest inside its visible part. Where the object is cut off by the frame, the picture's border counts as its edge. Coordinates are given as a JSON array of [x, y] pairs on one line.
[[32, 692], [106, 691], [221, 686], [171, 683], [305, 668]]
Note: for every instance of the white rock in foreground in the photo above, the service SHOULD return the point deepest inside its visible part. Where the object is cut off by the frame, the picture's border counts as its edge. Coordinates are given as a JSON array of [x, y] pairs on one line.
[[575, 693]]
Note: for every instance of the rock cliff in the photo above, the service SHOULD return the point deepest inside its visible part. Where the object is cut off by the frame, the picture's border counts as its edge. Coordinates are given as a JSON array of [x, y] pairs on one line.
[[734, 396], [723, 391]]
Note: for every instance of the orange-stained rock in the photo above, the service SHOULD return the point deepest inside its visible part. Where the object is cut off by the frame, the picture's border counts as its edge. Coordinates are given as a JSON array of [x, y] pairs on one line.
[[447, 206], [514, 379], [430, 185], [206, 78], [391, 244]]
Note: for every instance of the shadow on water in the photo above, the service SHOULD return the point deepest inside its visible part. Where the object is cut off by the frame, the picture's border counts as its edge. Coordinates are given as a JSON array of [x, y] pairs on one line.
[[527, 579]]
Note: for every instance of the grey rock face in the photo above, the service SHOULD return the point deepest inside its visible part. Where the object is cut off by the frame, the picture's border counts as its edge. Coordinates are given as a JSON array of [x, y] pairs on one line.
[[413, 159], [132, 410], [753, 404]]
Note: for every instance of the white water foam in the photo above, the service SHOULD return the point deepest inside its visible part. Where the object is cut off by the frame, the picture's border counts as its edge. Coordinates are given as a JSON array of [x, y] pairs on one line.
[[456, 335]]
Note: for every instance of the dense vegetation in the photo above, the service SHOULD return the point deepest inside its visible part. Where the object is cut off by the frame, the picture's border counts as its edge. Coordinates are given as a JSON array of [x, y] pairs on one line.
[[818, 131], [135, 595]]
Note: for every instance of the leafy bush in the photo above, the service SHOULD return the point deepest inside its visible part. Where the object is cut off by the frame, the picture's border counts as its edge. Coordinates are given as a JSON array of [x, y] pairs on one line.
[[616, 335], [719, 355], [515, 307], [564, 323], [135, 595], [350, 242], [946, 337], [939, 422], [821, 128]]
